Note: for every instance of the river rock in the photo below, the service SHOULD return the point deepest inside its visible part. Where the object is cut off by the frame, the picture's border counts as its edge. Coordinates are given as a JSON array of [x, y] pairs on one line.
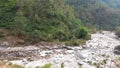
[[4, 44], [98, 51], [117, 50]]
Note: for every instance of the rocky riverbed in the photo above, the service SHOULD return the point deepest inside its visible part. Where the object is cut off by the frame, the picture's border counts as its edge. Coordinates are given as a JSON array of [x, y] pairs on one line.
[[99, 52]]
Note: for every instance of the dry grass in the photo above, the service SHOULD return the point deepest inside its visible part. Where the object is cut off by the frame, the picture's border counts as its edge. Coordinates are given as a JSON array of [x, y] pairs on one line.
[[9, 65], [76, 42]]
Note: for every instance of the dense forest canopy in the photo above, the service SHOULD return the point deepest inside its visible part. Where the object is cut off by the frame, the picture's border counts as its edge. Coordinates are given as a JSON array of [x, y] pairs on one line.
[[37, 20]]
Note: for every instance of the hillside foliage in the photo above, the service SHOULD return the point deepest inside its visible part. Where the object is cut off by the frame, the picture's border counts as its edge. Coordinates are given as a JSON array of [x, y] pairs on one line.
[[40, 20]]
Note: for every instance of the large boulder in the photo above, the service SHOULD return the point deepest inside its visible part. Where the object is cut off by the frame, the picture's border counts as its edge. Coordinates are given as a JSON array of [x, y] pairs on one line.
[[117, 50], [4, 44]]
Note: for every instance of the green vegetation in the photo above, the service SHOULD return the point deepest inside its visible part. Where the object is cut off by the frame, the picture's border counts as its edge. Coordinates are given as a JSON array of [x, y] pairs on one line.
[[80, 66], [118, 58], [101, 14], [40, 20], [62, 65], [105, 61], [16, 66], [81, 39], [118, 31], [45, 66]]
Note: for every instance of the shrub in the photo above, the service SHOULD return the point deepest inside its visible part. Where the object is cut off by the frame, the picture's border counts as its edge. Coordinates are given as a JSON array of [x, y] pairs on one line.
[[45, 66], [118, 31], [16, 66], [62, 65], [82, 33], [76, 42], [105, 61], [80, 66], [72, 43], [60, 35], [1, 35]]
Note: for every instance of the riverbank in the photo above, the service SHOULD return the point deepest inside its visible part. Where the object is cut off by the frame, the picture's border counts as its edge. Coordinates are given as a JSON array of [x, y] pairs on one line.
[[97, 52]]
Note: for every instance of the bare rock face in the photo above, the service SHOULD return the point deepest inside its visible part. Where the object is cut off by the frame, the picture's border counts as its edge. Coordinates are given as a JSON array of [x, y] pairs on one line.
[[117, 50]]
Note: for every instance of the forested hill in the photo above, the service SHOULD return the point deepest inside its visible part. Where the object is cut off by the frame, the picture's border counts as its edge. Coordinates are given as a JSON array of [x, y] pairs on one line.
[[36, 20], [48, 20], [103, 14]]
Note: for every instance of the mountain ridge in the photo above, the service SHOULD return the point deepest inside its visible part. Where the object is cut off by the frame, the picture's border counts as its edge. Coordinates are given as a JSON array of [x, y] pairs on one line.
[[102, 14]]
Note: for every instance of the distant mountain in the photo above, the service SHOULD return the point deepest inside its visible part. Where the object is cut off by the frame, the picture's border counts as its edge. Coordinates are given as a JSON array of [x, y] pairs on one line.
[[113, 3], [103, 14]]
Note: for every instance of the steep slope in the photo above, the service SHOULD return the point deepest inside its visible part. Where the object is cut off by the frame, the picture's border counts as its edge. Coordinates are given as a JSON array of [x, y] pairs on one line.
[[40, 20]]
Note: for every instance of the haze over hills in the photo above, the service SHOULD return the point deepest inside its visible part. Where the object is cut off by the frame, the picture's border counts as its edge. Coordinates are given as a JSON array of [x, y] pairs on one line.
[[112, 3], [103, 14]]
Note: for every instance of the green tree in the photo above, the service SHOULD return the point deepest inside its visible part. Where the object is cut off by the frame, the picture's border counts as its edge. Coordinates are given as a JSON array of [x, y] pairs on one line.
[[8, 10]]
